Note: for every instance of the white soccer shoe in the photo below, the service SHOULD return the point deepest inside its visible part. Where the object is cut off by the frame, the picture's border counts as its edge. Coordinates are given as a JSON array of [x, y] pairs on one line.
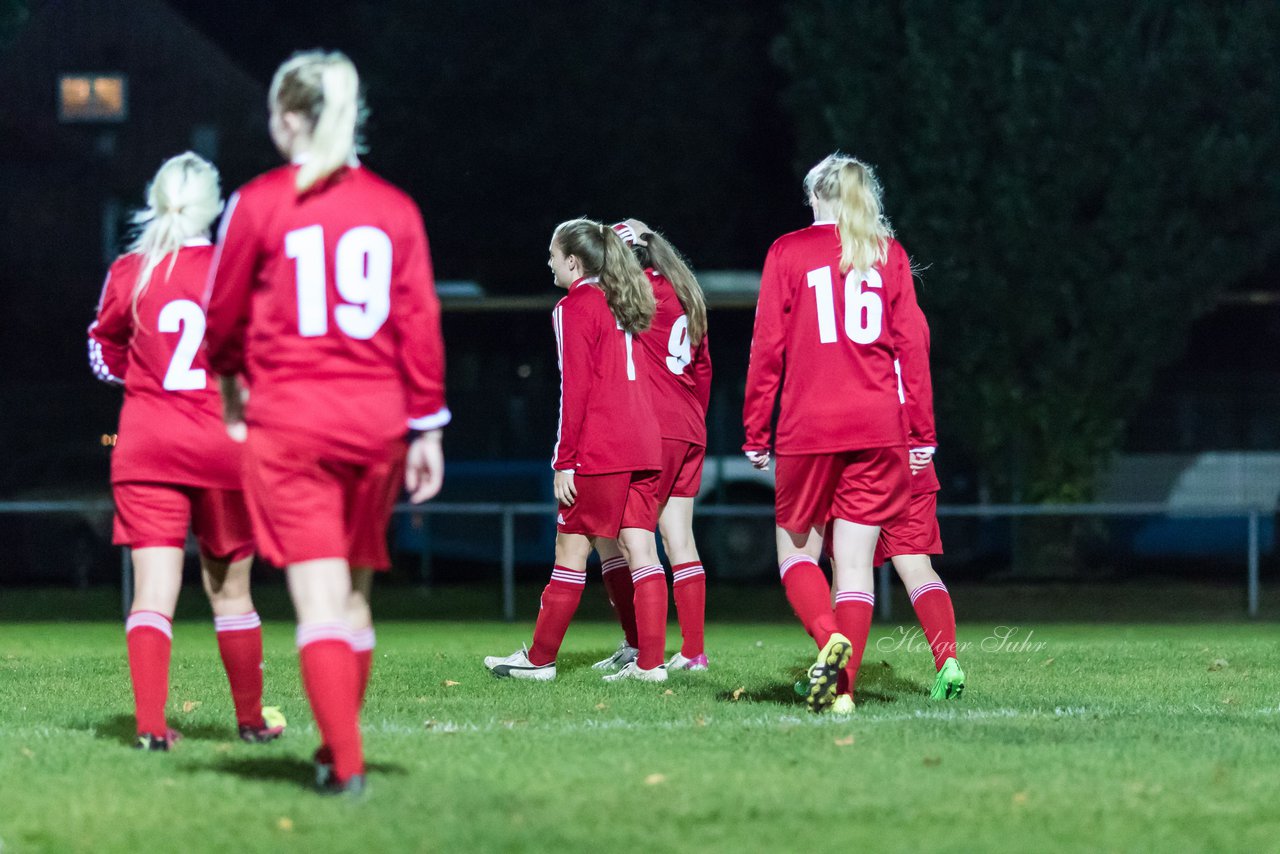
[[621, 657], [631, 670], [517, 666], [679, 662]]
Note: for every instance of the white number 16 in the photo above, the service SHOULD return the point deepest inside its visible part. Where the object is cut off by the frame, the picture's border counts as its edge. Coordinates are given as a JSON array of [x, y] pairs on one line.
[[863, 310]]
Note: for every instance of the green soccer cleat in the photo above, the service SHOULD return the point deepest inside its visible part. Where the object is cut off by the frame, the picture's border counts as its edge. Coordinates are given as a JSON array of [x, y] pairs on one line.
[[950, 682], [833, 658]]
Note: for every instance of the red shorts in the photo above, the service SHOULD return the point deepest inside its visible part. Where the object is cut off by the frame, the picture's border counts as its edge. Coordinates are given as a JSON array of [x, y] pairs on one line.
[[158, 514], [915, 532], [681, 470], [607, 503], [309, 500], [866, 487]]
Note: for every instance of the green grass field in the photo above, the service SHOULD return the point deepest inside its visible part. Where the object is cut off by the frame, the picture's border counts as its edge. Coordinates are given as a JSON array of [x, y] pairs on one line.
[[1069, 737]]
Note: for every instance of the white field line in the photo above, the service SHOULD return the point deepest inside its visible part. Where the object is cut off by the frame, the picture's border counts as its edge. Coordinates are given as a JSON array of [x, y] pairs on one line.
[[431, 726]]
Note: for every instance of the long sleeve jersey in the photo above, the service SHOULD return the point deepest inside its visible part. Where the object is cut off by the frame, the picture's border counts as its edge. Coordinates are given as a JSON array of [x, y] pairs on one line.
[[679, 373], [917, 393], [607, 421], [171, 428], [825, 342], [326, 302]]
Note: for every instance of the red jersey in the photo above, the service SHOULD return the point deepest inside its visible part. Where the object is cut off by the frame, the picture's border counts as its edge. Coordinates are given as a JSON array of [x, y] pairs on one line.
[[171, 428], [829, 341], [679, 374], [326, 302], [916, 390], [607, 422]]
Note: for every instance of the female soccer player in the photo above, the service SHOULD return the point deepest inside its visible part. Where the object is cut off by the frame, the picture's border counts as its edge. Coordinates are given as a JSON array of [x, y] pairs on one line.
[[911, 537], [322, 295], [608, 453], [830, 298], [679, 372], [174, 466]]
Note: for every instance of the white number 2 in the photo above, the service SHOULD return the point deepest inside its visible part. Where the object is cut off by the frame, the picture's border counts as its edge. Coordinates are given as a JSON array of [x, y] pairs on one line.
[[679, 350], [362, 274], [183, 315], [863, 310]]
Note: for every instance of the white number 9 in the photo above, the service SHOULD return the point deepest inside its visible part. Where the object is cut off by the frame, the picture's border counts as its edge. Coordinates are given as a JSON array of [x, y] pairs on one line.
[[679, 350]]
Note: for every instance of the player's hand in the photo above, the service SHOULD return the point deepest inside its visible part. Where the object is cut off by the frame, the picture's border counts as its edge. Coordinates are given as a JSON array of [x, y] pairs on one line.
[[234, 397], [759, 459], [566, 491], [424, 466], [920, 458]]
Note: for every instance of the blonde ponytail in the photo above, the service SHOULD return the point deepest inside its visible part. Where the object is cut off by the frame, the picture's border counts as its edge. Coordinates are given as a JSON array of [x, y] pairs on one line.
[[657, 252], [860, 221], [603, 254], [323, 88], [183, 200]]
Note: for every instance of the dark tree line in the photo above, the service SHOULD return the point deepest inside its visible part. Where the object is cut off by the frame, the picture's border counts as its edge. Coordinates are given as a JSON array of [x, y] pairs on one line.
[[1078, 183]]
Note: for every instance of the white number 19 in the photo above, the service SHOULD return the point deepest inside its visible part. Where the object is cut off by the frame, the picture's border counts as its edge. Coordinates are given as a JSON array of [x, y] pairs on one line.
[[362, 274]]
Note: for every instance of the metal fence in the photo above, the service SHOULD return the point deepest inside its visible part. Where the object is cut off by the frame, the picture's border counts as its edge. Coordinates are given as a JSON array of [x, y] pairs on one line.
[[505, 516]]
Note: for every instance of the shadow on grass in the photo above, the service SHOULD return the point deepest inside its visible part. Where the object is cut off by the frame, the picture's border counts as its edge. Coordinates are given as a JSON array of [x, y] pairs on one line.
[[124, 729], [283, 769]]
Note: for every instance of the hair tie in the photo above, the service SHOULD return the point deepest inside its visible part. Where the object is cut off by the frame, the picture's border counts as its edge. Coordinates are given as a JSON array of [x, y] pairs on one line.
[[626, 232]]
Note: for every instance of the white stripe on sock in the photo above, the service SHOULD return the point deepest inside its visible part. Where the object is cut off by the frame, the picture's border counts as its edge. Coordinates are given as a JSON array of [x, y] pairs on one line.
[[237, 623], [309, 633], [925, 588], [793, 561], [565, 576], [855, 596], [364, 640], [149, 620], [638, 575], [613, 564], [690, 572]]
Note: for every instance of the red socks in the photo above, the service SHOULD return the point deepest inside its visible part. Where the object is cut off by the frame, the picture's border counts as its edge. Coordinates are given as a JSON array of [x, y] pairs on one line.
[[932, 603], [810, 596], [149, 637], [560, 600], [329, 678], [240, 644], [689, 583], [650, 584], [363, 641], [617, 583], [853, 616]]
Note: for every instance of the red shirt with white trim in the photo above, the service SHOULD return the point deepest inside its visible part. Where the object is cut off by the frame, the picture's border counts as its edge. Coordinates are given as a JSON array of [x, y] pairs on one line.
[[679, 373], [825, 343], [171, 428], [326, 302], [607, 420]]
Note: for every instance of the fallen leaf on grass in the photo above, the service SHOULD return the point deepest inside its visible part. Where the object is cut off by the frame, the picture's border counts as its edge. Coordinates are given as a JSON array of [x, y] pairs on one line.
[[429, 724], [655, 779], [449, 683], [932, 761], [668, 693], [1019, 798], [190, 706], [844, 742], [1228, 701], [600, 707], [700, 720], [1046, 662], [27, 752], [222, 748], [1219, 664], [284, 823], [738, 692]]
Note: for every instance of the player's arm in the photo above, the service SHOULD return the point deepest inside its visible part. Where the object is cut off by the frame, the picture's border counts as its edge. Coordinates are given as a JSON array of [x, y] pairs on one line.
[[768, 356], [575, 344], [910, 332], [701, 370], [110, 331], [226, 299]]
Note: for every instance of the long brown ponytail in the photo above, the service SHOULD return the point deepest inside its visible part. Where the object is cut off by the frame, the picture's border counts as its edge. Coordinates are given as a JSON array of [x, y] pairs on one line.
[[603, 254]]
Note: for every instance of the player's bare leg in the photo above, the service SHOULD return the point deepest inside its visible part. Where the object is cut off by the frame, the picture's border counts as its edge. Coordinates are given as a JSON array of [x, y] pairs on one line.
[[321, 591], [688, 582], [157, 580], [558, 604], [650, 582], [932, 603], [617, 584], [810, 597], [239, 632], [360, 620], [853, 555]]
